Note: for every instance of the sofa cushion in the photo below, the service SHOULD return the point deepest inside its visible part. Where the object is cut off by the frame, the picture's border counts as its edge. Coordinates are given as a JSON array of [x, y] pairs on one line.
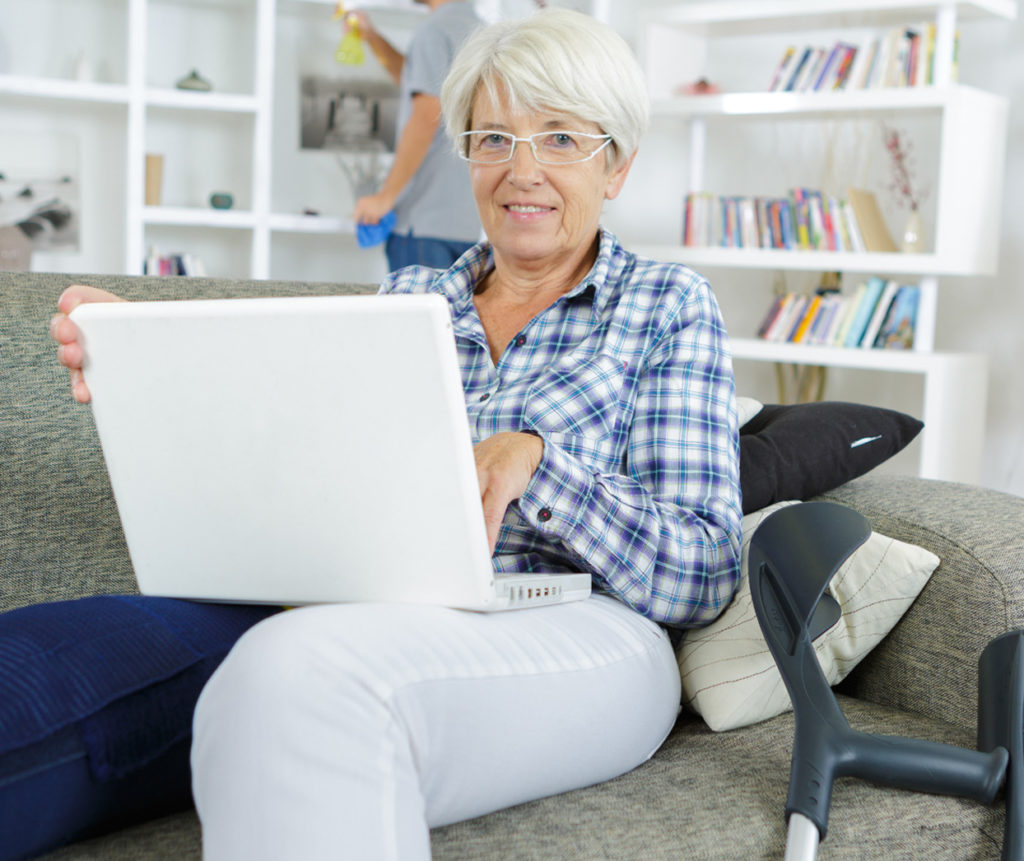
[[704, 795], [729, 676], [797, 451]]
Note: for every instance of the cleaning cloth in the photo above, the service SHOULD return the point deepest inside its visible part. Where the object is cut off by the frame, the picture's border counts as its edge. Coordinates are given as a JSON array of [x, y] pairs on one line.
[[368, 235]]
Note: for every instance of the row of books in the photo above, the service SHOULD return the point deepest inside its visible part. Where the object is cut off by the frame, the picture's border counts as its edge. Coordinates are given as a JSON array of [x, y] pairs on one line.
[[172, 264], [880, 313], [806, 219], [903, 57]]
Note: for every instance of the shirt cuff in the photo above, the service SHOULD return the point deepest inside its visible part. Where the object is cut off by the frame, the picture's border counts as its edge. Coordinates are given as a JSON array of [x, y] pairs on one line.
[[559, 493]]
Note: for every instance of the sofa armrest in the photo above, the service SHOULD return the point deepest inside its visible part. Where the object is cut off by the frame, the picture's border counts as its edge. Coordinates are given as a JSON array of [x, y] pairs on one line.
[[929, 662]]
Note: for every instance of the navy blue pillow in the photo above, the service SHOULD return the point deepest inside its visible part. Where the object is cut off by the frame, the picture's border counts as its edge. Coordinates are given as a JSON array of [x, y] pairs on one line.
[[797, 451]]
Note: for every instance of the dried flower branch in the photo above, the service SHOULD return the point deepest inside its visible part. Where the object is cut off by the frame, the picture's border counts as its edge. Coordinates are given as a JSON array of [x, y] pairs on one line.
[[900, 153]]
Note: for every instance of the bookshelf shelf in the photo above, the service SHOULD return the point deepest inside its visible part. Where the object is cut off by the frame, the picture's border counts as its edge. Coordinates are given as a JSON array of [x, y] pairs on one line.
[[59, 89], [677, 40], [183, 100], [814, 104], [183, 216], [284, 223], [718, 18], [806, 261]]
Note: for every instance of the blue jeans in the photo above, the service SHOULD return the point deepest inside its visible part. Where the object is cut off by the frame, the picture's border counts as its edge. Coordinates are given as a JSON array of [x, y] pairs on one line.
[[96, 704], [408, 250]]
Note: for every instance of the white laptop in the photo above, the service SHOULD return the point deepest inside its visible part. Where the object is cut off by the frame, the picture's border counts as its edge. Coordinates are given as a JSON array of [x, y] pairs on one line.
[[294, 451]]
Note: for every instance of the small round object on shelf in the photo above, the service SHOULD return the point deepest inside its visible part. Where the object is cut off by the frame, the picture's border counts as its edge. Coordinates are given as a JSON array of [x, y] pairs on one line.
[[221, 200]]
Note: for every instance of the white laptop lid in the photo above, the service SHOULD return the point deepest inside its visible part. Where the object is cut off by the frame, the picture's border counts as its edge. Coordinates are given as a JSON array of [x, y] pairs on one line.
[[291, 450]]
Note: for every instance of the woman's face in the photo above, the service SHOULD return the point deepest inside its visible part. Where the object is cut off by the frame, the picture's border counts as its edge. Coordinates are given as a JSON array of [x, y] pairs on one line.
[[537, 213]]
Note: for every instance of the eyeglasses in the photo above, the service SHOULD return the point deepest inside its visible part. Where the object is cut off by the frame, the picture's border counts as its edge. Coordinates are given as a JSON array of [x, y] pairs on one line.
[[557, 147]]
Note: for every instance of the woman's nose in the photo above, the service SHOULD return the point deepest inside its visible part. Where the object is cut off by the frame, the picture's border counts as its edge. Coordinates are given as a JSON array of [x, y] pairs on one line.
[[524, 164]]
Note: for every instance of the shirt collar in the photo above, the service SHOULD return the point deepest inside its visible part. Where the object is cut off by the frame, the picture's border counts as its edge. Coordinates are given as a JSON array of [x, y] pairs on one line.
[[471, 268]]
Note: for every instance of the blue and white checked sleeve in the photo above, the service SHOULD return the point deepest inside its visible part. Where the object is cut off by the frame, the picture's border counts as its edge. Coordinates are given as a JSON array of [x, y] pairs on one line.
[[663, 535]]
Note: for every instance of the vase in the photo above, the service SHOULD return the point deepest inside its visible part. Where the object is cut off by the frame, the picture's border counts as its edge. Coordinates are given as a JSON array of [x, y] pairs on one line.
[[913, 234]]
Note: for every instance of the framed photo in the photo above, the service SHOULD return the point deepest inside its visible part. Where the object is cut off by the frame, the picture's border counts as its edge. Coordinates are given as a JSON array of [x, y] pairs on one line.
[[348, 114], [39, 188]]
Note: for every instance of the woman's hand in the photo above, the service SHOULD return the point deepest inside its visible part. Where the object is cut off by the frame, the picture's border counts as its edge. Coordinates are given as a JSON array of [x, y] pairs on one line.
[[65, 333], [505, 463]]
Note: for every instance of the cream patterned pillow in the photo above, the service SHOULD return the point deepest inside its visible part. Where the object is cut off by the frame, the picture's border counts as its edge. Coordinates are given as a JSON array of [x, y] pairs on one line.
[[728, 674]]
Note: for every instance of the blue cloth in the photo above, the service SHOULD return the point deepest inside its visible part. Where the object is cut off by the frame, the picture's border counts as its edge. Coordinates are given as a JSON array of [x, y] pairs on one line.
[[628, 380], [408, 250], [368, 235], [96, 704]]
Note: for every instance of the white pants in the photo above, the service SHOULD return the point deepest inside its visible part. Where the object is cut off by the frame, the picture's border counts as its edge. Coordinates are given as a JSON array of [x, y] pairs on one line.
[[347, 731]]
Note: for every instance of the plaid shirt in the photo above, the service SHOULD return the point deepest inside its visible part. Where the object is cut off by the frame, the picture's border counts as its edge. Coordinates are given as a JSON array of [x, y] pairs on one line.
[[628, 380]]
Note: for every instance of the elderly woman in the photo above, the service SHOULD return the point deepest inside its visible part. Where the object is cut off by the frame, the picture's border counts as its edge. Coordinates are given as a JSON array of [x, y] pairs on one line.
[[599, 391]]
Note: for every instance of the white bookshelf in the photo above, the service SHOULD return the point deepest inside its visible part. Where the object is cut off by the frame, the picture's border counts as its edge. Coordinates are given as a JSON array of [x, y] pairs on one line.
[[677, 43], [220, 140]]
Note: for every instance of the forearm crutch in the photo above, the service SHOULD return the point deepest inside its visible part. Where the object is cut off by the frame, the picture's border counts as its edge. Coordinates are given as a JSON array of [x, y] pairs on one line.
[[793, 555]]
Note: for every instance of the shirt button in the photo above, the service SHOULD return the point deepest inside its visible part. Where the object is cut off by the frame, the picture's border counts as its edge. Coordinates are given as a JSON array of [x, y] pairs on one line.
[[544, 515], [484, 396], [520, 341]]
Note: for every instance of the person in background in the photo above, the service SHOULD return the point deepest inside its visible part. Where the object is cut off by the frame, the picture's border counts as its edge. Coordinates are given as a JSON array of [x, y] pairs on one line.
[[601, 402], [427, 186]]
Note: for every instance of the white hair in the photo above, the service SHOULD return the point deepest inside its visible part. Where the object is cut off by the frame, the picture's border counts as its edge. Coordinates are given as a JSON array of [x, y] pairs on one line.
[[555, 60]]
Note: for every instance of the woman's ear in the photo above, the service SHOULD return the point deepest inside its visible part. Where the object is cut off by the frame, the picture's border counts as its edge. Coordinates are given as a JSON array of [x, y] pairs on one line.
[[617, 178]]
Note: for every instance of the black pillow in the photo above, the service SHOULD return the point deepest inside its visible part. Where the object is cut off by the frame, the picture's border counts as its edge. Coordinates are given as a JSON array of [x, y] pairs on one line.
[[798, 451]]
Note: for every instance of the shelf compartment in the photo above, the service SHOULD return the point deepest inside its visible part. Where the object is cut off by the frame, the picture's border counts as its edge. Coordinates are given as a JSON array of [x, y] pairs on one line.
[[224, 253], [968, 184], [186, 36]]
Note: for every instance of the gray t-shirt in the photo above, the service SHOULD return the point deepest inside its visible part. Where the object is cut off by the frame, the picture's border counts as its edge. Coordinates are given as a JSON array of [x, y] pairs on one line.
[[438, 201]]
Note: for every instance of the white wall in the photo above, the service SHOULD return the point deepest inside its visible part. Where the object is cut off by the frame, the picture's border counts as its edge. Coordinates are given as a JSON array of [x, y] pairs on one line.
[[982, 314]]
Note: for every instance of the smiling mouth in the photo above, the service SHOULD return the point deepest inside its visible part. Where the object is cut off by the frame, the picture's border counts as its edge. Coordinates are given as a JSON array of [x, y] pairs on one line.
[[526, 210]]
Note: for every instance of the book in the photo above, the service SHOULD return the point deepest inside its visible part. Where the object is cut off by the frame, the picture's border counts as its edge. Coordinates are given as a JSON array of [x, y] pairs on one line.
[[870, 223], [815, 220], [807, 76], [789, 239], [773, 311], [882, 70], [827, 66], [856, 241], [798, 68], [878, 315], [844, 67], [764, 226], [803, 326], [897, 330], [783, 319], [749, 233], [865, 308], [834, 225], [861, 74], [796, 316], [801, 218], [849, 312], [838, 305], [785, 64], [696, 219]]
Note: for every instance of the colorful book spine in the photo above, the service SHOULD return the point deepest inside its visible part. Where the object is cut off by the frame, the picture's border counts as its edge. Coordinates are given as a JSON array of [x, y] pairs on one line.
[[865, 309]]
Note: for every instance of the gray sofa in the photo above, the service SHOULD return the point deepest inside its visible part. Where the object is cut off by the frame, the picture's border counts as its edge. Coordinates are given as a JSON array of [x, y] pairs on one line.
[[704, 795]]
